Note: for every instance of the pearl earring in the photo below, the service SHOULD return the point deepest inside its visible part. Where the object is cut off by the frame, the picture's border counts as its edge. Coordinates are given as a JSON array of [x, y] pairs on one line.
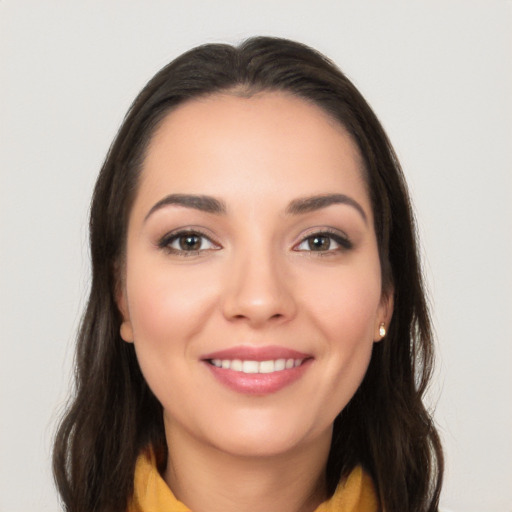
[[382, 330]]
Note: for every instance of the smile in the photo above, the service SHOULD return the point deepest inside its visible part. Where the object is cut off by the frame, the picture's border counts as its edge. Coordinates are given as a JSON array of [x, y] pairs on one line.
[[248, 366], [257, 370]]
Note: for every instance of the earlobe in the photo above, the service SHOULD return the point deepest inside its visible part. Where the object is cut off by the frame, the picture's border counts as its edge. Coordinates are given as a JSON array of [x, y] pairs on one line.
[[384, 315], [125, 330]]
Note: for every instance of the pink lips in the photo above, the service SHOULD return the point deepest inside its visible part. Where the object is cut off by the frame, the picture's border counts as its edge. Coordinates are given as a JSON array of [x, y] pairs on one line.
[[257, 383], [257, 353]]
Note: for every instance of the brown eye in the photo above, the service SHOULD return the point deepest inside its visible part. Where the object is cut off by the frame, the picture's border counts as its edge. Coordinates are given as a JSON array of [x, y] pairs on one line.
[[190, 242], [187, 243], [324, 242], [319, 243]]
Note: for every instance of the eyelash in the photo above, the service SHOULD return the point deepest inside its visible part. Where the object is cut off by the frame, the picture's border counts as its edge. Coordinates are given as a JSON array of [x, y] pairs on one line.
[[342, 241], [167, 241]]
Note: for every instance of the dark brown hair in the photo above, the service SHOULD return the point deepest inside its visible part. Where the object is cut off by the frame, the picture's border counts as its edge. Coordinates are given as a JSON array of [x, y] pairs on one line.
[[113, 415]]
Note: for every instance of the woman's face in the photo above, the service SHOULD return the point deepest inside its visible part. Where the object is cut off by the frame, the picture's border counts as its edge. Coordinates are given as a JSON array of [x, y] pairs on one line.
[[252, 284]]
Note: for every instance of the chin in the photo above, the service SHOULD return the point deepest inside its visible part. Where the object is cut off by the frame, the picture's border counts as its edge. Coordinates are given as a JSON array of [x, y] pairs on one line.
[[252, 446], [260, 439]]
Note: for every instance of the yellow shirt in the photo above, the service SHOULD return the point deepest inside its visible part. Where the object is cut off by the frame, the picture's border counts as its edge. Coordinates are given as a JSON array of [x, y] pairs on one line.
[[151, 493]]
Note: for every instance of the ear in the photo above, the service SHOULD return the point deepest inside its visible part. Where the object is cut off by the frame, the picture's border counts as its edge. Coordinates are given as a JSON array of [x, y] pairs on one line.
[[126, 330], [384, 314]]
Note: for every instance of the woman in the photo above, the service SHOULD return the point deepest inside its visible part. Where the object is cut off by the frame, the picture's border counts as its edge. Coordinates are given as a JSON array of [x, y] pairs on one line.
[[257, 336]]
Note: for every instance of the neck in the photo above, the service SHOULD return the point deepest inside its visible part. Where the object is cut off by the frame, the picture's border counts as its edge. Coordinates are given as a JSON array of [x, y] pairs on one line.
[[207, 479]]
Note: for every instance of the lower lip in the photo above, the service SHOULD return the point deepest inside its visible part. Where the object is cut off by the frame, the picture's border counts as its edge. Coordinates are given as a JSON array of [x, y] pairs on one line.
[[258, 383]]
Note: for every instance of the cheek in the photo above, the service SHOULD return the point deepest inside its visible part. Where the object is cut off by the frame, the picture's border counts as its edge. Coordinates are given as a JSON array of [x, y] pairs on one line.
[[345, 305], [345, 313], [165, 305], [167, 309]]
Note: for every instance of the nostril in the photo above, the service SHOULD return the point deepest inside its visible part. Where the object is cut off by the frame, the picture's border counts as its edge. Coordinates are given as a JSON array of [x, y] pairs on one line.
[[258, 317]]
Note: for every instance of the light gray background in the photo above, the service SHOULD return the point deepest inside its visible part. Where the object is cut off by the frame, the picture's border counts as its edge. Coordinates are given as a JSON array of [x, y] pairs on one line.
[[437, 73]]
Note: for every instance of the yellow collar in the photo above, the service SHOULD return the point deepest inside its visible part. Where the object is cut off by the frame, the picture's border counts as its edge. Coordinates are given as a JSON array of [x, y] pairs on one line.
[[151, 493]]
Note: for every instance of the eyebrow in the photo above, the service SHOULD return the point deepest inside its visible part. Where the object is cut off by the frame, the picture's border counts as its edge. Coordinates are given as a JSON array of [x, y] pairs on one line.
[[203, 203], [298, 206], [313, 203]]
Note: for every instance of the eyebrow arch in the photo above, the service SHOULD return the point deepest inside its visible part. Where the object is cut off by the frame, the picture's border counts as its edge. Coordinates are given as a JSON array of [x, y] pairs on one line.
[[206, 204], [310, 204]]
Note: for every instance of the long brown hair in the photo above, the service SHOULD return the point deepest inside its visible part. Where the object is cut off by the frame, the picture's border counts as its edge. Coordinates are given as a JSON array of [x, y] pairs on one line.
[[113, 415]]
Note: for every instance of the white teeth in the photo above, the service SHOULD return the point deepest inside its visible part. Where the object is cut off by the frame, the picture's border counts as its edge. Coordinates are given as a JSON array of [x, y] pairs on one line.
[[236, 365], [269, 366], [280, 364], [250, 366]]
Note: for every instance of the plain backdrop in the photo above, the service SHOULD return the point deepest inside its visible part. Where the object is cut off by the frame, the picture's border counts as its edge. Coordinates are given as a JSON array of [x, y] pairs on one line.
[[439, 76]]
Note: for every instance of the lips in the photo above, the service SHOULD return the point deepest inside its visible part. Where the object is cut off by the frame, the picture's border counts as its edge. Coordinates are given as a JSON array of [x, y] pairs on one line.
[[257, 370]]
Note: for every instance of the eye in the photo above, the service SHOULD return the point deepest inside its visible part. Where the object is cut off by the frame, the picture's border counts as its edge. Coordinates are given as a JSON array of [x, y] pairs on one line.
[[187, 243], [324, 242]]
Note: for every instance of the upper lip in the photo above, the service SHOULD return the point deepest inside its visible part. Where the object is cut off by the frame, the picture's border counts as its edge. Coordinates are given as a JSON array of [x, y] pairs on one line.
[[252, 353]]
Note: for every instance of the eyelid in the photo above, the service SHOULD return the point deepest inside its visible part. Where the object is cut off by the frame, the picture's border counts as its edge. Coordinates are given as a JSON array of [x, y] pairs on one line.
[[338, 236], [166, 240]]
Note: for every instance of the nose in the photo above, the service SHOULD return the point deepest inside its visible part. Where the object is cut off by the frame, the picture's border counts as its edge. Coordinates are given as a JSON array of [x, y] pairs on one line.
[[259, 290]]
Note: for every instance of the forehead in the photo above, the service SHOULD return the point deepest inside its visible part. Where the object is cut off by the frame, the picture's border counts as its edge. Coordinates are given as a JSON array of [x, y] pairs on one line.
[[271, 141]]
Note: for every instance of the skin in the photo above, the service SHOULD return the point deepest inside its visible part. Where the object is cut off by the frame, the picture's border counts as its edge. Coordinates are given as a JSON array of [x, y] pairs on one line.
[[256, 280]]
